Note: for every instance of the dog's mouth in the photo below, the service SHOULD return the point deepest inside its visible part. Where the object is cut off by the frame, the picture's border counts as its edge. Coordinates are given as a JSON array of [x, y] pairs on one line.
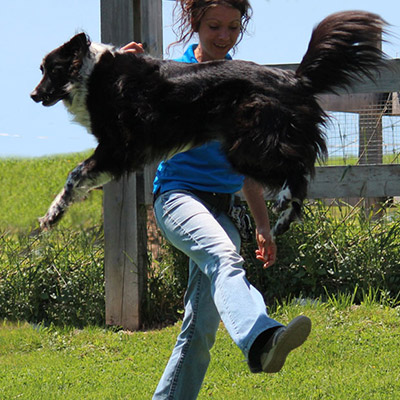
[[49, 102], [46, 100]]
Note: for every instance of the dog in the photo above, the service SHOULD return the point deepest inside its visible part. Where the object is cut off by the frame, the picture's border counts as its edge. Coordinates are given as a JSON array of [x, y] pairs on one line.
[[268, 120]]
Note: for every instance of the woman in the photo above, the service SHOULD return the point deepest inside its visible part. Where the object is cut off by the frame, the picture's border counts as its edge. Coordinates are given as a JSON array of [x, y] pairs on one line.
[[193, 191]]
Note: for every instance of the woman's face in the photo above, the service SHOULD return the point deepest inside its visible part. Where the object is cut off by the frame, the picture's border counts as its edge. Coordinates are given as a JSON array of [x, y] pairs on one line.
[[218, 32]]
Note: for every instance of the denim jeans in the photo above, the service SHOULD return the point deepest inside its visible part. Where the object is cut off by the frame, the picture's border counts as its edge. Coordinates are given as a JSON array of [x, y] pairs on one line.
[[217, 289]]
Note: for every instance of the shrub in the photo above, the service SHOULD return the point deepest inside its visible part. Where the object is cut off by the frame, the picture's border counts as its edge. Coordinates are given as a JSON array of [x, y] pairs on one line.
[[53, 278], [333, 250], [166, 284], [59, 278]]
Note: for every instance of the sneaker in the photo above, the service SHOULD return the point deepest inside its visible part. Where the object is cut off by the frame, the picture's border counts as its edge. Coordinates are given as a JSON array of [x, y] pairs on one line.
[[283, 341]]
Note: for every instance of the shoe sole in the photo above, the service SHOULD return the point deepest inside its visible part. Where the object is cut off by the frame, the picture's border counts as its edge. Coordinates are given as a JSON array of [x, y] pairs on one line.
[[295, 335]]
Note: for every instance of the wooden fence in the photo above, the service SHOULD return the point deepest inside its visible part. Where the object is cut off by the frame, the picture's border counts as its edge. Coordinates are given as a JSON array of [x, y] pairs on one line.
[[125, 201]]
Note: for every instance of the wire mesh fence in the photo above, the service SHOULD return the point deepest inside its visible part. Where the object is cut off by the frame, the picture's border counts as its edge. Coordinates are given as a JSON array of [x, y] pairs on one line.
[[366, 135]]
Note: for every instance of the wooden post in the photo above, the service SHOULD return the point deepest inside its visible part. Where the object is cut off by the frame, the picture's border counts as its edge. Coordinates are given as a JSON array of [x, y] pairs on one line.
[[370, 131], [123, 21], [370, 149]]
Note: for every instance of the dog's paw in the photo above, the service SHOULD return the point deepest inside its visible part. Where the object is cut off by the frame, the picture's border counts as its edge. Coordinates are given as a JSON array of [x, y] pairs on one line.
[[45, 223]]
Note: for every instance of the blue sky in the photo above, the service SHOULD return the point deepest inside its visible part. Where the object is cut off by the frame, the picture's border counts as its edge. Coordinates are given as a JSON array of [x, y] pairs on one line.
[[279, 33]]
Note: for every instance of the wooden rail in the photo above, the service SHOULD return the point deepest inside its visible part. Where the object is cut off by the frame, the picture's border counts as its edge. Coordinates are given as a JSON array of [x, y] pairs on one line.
[[353, 181]]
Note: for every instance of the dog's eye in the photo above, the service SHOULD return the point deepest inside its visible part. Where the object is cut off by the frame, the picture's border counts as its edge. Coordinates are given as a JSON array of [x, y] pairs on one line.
[[56, 70]]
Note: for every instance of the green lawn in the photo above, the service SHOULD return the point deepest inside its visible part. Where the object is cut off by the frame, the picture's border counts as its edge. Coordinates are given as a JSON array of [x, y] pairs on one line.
[[352, 353]]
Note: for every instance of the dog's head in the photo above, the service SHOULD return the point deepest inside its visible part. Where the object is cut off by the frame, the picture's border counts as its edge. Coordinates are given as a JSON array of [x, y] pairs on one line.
[[60, 69]]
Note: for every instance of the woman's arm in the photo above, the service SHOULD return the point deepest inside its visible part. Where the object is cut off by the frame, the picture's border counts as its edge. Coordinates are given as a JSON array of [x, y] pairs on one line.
[[253, 192]]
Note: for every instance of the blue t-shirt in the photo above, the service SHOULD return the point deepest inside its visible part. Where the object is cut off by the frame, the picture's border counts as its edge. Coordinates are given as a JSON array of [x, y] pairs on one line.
[[201, 168]]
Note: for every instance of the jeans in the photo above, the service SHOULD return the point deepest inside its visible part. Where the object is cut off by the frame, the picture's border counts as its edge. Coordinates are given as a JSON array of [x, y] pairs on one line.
[[217, 289]]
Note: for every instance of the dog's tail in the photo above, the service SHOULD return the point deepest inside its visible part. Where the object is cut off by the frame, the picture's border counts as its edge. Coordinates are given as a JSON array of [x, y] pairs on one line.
[[343, 47]]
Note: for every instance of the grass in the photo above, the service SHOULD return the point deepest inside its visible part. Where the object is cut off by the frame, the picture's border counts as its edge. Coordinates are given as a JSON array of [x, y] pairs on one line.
[[53, 278], [352, 353], [355, 160], [29, 185]]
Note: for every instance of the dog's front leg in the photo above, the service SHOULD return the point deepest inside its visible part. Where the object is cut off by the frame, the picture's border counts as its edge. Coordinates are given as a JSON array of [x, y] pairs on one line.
[[80, 181]]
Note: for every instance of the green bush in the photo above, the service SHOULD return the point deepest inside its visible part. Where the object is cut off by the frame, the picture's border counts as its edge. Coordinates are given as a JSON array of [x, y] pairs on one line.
[[166, 284], [53, 278], [58, 277], [332, 251]]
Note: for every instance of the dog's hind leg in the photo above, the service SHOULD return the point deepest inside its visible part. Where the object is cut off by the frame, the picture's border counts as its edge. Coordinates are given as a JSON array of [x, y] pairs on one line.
[[283, 199], [290, 214], [80, 182], [289, 203]]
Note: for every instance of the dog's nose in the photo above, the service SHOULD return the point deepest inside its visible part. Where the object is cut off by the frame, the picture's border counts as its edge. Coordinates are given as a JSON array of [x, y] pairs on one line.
[[35, 96]]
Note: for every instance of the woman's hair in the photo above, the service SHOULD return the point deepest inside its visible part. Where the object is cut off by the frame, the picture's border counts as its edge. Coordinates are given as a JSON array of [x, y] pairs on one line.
[[192, 11]]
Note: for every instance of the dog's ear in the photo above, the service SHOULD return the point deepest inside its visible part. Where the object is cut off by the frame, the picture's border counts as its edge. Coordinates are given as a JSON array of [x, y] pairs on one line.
[[75, 51], [79, 44]]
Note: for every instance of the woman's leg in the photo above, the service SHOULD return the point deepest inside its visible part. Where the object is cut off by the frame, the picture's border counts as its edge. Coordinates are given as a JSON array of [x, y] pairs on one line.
[[206, 239], [187, 366]]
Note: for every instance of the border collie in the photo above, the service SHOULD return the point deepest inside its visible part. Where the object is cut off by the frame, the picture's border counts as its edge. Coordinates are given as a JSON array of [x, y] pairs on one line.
[[268, 120]]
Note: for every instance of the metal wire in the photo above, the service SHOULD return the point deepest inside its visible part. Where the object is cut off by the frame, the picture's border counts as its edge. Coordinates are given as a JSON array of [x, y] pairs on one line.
[[369, 135]]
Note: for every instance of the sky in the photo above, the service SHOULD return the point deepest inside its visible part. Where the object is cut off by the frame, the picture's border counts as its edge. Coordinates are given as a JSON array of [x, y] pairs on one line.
[[278, 34]]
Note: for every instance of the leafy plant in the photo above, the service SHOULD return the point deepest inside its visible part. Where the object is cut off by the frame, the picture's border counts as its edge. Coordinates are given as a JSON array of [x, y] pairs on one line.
[[54, 278], [335, 249], [338, 251]]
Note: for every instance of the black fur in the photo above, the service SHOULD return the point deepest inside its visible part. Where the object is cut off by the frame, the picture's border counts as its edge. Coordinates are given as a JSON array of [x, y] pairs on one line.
[[268, 120]]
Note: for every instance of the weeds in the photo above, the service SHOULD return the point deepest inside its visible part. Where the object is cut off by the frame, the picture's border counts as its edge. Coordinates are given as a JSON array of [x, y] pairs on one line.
[[338, 251], [55, 277], [333, 251]]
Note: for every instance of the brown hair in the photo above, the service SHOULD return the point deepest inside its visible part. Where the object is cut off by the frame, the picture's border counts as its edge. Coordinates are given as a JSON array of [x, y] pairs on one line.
[[192, 11]]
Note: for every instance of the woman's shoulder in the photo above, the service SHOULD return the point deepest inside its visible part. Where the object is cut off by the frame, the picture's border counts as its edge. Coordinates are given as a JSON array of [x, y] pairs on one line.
[[188, 56]]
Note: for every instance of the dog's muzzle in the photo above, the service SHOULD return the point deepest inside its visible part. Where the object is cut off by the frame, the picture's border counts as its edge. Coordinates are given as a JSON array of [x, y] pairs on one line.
[[45, 99], [36, 97]]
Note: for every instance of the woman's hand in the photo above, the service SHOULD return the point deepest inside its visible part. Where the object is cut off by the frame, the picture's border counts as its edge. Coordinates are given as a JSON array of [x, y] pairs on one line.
[[266, 251], [254, 194], [133, 47]]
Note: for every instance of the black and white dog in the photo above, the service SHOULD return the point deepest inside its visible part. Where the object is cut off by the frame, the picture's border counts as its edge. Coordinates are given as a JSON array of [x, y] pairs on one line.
[[268, 120]]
